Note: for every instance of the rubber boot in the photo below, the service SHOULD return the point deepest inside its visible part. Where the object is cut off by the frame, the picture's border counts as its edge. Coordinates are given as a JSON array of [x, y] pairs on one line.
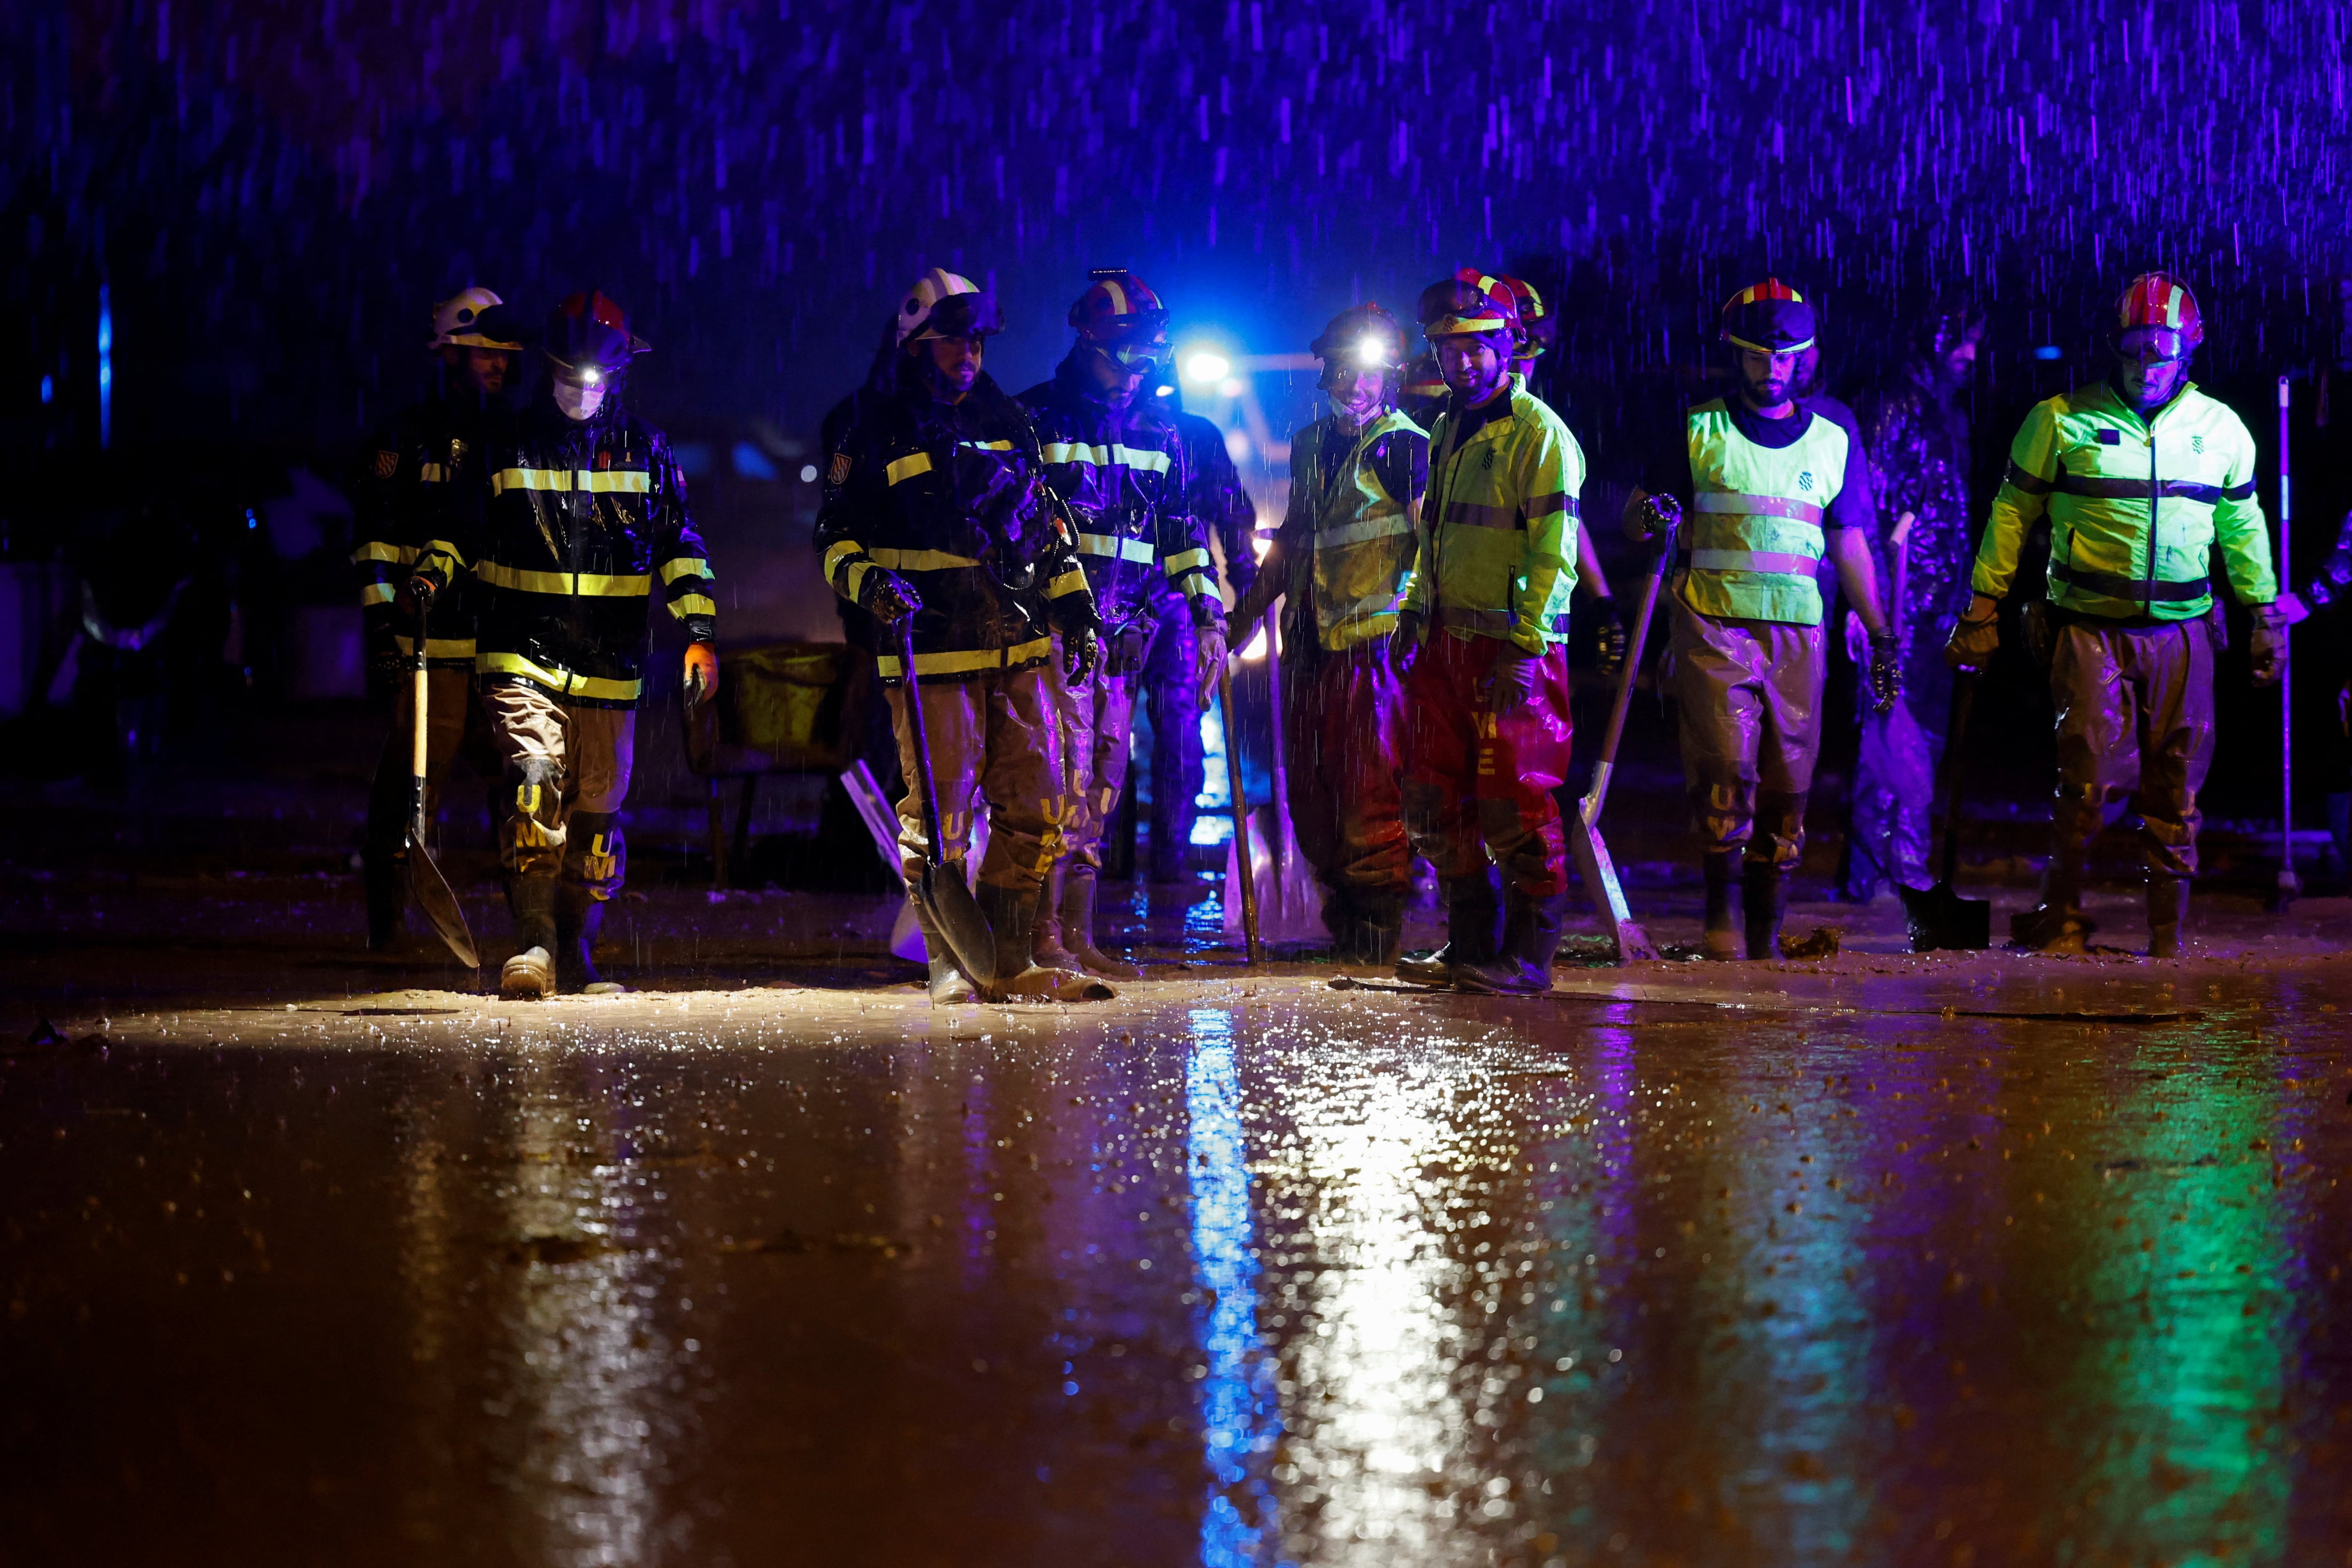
[[386, 881], [1012, 914], [2167, 910], [530, 975], [1763, 900], [1531, 941], [1077, 901], [2057, 923], [1721, 941], [949, 986], [1470, 911], [1365, 929], [578, 919], [1047, 948]]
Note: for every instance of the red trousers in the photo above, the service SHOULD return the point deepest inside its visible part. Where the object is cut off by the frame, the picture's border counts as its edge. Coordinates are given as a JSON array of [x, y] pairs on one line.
[[1477, 787], [1340, 715]]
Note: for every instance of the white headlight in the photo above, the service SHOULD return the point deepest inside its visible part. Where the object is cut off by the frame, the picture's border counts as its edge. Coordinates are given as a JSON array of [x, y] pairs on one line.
[[1206, 367], [590, 376]]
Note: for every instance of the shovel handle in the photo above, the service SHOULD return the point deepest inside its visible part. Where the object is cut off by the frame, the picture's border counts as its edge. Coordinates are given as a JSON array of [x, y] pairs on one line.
[[420, 694], [1636, 639], [933, 848], [1244, 872], [1956, 732]]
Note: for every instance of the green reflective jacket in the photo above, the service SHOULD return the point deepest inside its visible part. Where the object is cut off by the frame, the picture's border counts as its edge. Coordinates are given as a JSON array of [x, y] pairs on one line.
[[1360, 538], [1498, 557], [2135, 505], [1755, 536]]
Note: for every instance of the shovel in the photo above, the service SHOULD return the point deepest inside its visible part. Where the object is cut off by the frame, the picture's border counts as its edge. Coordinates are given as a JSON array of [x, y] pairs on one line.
[[1252, 947], [1592, 862], [940, 890], [425, 879], [1939, 917]]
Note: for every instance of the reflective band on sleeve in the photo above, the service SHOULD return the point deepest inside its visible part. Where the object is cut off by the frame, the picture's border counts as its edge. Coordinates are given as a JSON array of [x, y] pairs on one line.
[[403, 555], [587, 584], [968, 662], [1195, 585], [687, 565], [446, 552], [854, 581], [2020, 479], [1183, 561], [1479, 514], [506, 480], [1137, 551], [1134, 457], [1757, 506], [561, 681], [919, 559], [1752, 561], [1558, 501], [377, 593], [908, 466], [835, 555], [686, 604], [984, 446], [1071, 581], [628, 481], [624, 481], [431, 472]]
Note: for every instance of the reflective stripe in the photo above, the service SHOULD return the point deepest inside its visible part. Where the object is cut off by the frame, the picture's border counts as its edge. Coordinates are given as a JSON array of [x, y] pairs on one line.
[[1757, 506], [834, 554], [588, 584], [1498, 623], [2132, 588], [1104, 457], [906, 467], [854, 580], [2018, 479], [1479, 514], [561, 681], [634, 481], [403, 555], [920, 559], [1375, 526], [686, 604], [984, 446], [966, 662], [1071, 581], [431, 472], [377, 593], [1558, 501], [1195, 585], [1752, 561], [436, 647], [623, 481], [1186, 561], [2105, 489], [685, 566], [1371, 607], [2237, 492], [1110, 545]]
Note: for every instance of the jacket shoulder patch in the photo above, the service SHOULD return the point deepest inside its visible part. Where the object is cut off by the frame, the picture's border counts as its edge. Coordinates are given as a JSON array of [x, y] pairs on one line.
[[839, 472], [388, 463], [2111, 438]]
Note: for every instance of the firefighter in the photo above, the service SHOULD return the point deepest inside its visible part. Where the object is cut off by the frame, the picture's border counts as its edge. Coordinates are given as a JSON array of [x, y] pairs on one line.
[[579, 518], [1485, 684], [424, 452], [1772, 484], [1339, 563], [1118, 460], [938, 511], [2140, 475]]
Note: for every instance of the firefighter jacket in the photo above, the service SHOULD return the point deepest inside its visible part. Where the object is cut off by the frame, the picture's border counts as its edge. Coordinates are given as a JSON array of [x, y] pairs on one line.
[[573, 527], [2135, 505], [423, 457], [1351, 533], [950, 498], [1122, 473], [1213, 492], [1757, 535], [1498, 558]]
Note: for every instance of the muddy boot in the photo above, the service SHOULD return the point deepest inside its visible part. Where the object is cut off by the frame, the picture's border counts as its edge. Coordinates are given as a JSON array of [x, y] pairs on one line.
[[2167, 910], [1530, 939], [949, 986], [530, 975], [578, 919], [1011, 913], [1047, 949], [2057, 923], [1470, 911], [1365, 929], [386, 881], [1721, 939], [1077, 907], [1763, 900]]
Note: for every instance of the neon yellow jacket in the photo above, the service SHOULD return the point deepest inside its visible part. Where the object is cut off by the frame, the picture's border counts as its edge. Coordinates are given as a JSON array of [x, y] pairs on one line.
[[2088, 460], [1498, 557]]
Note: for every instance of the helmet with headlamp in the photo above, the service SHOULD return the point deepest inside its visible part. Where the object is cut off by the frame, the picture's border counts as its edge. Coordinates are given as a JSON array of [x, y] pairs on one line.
[[588, 346], [1122, 319]]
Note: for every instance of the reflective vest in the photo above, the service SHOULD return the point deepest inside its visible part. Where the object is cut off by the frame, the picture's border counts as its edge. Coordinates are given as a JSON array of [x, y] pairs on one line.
[[1499, 557], [1362, 537], [2135, 505], [1755, 539]]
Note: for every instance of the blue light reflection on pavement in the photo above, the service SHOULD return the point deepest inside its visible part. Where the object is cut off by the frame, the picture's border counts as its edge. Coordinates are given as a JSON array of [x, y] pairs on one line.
[[1240, 1418]]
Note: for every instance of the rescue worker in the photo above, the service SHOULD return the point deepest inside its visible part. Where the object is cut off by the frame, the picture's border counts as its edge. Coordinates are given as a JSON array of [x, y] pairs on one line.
[[422, 456], [2139, 474], [1118, 460], [1422, 391], [1772, 482], [1340, 562], [1916, 430], [940, 512], [580, 516], [1170, 681], [1486, 682]]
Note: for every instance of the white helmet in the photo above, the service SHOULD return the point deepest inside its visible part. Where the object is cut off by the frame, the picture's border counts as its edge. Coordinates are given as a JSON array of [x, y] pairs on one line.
[[931, 290], [475, 318]]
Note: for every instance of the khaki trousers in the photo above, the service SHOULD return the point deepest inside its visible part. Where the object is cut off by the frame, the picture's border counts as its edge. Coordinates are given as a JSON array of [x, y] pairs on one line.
[[567, 771], [995, 737], [1750, 695]]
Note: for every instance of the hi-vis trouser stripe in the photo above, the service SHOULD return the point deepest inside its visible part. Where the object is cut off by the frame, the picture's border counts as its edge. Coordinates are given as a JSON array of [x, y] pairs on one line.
[[1106, 456], [561, 681], [965, 662], [624, 481]]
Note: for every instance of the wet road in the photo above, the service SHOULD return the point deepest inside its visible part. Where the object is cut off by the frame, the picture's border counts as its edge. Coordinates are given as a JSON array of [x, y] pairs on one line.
[[1228, 1271]]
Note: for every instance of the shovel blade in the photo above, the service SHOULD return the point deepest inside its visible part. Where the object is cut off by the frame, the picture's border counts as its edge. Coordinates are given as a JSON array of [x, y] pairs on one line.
[[955, 915], [440, 904], [1940, 918]]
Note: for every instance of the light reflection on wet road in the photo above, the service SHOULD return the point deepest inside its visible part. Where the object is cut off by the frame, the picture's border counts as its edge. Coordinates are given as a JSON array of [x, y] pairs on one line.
[[1301, 1276]]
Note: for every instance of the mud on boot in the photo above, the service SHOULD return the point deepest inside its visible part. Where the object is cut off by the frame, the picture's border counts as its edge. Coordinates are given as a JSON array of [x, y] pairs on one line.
[[946, 985], [1471, 908], [2051, 928], [578, 919], [530, 975], [1530, 942], [1721, 941], [1763, 902], [2167, 912], [1073, 894], [1010, 913]]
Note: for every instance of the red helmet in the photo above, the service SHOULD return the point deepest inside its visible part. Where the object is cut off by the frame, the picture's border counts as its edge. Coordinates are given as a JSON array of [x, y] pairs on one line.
[[2160, 307], [1470, 302], [591, 330], [1117, 306], [1530, 306]]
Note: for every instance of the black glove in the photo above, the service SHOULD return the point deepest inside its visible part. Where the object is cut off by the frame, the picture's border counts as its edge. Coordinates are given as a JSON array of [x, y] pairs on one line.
[[1081, 652], [1511, 681], [888, 597], [1655, 514], [2268, 644], [1973, 642], [1886, 672], [1609, 639]]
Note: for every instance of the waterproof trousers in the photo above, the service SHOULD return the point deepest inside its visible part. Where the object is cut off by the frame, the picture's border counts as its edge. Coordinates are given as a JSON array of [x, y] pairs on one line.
[[1750, 695], [1341, 717], [566, 773], [1097, 720], [452, 724], [2134, 725], [1171, 685], [994, 738], [1477, 787]]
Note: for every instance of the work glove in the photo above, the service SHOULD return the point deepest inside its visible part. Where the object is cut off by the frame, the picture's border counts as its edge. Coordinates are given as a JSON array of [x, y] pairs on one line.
[[1511, 680], [1405, 644], [1886, 672], [1081, 652], [1210, 660], [888, 597], [422, 587], [2268, 644], [701, 673], [1655, 514], [1609, 639], [1973, 642]]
